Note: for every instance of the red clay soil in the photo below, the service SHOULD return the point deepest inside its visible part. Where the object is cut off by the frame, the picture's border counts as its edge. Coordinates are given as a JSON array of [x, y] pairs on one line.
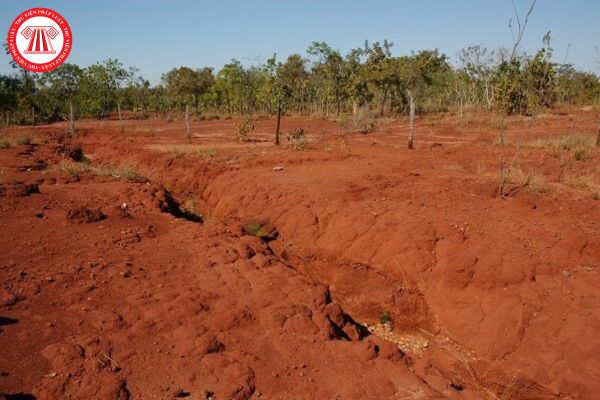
[[115, 288]]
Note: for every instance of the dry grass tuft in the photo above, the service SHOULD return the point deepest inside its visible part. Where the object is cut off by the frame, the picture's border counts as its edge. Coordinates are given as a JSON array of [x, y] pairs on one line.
[[536, 184], [24, 140], [580, 143], [126, 172]]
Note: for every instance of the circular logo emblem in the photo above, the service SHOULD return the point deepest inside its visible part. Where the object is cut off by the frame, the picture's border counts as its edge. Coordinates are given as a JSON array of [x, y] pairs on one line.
[[39, 40]]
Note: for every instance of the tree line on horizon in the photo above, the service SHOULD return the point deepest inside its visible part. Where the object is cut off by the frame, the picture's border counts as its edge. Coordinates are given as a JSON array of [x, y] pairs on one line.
[[324, 82]]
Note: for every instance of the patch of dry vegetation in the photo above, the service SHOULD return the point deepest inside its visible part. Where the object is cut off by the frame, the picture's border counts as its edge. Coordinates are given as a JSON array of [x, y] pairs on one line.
[[243, 128], [580, 144], [119, 172], [297, 138], [536, 184]]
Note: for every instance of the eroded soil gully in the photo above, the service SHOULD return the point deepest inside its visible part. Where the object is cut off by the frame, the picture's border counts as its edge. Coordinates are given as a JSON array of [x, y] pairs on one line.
[[365, 292], [116, 304]]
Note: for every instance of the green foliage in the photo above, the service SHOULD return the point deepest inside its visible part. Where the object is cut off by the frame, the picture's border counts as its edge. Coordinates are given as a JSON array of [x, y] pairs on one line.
[[524, 86], [385, 318], [577, 87], [186, 86], [100, 85], [368, 79], [260, 229]]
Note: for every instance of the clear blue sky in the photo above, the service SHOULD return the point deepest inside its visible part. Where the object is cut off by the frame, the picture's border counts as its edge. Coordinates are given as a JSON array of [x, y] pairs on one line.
[[156, 35]]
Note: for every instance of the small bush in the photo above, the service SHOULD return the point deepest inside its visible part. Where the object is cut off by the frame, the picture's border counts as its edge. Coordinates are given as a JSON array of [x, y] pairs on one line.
[[364, 124], [536, 184], [297, 138], [596, 195], [255, 229], [4, 144], [24, 140], [385, 318], [260, 229], [243, 128], [360, 122], [75, 168], [581, 154]]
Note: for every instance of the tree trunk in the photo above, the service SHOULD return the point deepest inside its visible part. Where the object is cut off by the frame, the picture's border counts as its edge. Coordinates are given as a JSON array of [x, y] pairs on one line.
[[383, 101], [411, 121], [120, 117], [278, 126], [187, 123], [71, 120], [33, 117]]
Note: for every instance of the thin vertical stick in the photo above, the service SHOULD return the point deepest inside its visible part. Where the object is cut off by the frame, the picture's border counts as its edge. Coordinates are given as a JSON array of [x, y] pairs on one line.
[[71, 121], [187, 123], [598, 137], [411, 121], [501, 186], [120, 117], [278, 123], [33, 117]]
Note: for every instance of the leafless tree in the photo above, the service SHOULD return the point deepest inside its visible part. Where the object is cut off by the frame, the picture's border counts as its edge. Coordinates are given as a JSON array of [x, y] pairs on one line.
[[518, 35], [517, 38]]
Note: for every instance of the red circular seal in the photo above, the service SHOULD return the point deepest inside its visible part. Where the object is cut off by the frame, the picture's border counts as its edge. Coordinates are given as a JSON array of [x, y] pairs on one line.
[[40, 39]]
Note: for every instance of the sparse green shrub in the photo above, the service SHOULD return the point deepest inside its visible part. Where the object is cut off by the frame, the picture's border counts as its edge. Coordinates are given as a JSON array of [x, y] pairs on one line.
[[385, 318], [4, 144], [297, 138], [261, 229], [255, 229], [522, 86]]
